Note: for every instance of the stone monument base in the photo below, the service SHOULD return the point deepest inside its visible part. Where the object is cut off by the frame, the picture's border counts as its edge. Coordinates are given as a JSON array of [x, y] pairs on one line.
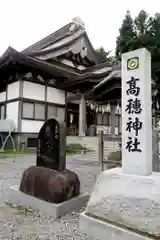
[[19, 198], [125, 204], [102, 230]]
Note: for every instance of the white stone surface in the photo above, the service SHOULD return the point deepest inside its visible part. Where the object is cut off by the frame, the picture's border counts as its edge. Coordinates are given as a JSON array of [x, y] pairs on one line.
[[139, 163], [12, 112], [103, 230], [130, 200], [45, 208]]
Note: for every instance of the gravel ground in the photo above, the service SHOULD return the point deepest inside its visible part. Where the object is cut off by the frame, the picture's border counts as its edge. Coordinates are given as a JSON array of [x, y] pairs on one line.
[[15, 224]]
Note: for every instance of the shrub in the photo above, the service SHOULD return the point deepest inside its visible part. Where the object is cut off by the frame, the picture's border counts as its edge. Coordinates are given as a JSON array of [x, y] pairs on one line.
[[74, 148], [116, 157]]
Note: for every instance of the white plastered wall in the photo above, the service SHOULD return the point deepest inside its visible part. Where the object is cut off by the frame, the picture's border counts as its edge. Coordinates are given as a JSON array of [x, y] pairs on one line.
[[12, 112]]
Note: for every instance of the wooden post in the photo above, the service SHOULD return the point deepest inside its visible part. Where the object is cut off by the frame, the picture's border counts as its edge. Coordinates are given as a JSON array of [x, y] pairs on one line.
[[155, 151], [101, 149], [66, 113]]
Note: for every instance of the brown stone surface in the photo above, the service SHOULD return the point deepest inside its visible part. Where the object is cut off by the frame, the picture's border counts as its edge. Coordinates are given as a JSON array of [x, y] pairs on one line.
[[50, 185]]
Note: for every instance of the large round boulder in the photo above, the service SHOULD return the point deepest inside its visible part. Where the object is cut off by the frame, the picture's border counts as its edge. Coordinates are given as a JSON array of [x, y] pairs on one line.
[[50, 185]]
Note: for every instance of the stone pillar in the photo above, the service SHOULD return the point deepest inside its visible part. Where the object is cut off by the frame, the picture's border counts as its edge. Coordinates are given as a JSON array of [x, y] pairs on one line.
[[82, 116], [112, 131], [136, 113]]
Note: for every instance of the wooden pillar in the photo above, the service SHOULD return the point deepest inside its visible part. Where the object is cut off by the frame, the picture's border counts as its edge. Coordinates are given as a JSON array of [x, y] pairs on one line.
[[82, 116], [66, 111], [112, 120]]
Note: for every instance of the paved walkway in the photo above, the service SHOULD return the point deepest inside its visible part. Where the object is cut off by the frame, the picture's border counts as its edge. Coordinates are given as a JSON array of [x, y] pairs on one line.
[[16, 225]]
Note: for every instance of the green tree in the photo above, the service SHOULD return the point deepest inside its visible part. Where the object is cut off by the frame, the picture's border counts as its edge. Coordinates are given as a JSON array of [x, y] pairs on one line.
[[104, 56], [144, 32], [126, 35], [142, 23]]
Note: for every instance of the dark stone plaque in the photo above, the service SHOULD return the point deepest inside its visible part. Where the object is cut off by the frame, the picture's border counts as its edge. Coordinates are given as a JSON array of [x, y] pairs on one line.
[[51, 145]]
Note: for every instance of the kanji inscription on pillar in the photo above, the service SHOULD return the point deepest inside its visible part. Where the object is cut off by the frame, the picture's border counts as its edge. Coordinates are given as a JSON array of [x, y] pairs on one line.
[[133, 126], [136, 113]]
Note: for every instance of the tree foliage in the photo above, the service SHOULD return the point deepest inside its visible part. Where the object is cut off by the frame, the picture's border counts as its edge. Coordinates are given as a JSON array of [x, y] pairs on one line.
[[126, 35], [143, 31], [103, 56]]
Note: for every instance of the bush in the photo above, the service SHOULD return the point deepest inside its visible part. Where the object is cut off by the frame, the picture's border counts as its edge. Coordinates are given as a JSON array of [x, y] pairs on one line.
[[74, 148], [116, 157]]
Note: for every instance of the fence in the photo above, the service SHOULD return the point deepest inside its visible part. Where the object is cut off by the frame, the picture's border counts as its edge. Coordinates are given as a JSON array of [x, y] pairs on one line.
[[106, 164], [103, 160], [156, 150]]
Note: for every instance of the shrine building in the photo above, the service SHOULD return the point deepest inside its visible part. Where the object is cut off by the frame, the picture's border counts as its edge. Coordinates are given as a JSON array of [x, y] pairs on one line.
[[60, 76]]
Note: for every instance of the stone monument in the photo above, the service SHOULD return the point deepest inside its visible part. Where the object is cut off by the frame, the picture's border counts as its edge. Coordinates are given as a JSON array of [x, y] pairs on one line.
[[51, 149], [59, 184], [125, 203], [50, 181]]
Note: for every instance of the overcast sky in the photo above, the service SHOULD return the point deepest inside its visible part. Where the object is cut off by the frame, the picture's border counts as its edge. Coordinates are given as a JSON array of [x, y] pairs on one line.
[[23, 22]]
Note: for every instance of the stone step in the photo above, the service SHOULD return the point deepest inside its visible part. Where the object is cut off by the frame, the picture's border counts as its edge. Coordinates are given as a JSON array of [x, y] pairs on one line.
[[92, 144], [106, 153]]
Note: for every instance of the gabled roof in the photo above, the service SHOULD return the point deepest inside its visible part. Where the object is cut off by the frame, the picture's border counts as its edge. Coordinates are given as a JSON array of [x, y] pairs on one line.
[[70, 38], [52, 38], [45, 57], [71, 77], [109, 88], [12, 57]]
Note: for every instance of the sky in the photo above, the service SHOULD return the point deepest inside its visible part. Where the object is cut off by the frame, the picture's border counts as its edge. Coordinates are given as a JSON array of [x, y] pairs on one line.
[[24, 22]]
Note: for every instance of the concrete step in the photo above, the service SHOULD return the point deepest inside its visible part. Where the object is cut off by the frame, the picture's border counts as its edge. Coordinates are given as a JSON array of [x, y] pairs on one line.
[[92, 144], [106, 153]]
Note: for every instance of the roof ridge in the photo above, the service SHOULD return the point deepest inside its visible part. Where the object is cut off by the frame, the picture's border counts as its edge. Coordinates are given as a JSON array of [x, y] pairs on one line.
[[45, 38]]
